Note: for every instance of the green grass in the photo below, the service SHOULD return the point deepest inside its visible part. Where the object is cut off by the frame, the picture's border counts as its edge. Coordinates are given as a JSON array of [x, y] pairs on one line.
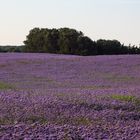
[[95, 87], [78, 121], [5, 121], [127, 98], [33, 119], [28, 120], [4, 86], [82, 121]]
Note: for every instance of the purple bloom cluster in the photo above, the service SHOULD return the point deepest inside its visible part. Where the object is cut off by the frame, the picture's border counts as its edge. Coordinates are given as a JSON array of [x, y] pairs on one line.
[[67, 97]]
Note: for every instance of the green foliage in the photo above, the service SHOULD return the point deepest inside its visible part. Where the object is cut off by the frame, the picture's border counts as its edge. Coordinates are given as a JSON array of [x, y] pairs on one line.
[[63, 41], [4, 86], [81, 121], [12, 48], [33, 119], [128, 98], [68, 41]]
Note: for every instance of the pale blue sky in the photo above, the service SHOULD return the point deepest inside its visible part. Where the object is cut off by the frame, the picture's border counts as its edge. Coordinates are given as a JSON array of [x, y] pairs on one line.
[[107, 19]]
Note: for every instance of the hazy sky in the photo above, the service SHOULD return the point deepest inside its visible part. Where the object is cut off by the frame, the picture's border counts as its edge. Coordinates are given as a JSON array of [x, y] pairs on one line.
[[107, 19]]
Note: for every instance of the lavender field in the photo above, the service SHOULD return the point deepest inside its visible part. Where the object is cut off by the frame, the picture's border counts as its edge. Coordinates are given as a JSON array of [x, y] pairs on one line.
[[64, 97]]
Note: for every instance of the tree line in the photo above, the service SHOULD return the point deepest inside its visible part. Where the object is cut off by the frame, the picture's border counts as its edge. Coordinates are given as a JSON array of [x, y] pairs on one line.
[[10, 48], [69, 41]]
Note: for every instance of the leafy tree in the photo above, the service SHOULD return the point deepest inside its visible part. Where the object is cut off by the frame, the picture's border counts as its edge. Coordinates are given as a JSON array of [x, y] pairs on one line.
[[35, 41], [71, 41]]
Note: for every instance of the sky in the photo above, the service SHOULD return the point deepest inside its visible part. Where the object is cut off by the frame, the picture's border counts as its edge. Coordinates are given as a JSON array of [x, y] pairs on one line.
[[106, 19]]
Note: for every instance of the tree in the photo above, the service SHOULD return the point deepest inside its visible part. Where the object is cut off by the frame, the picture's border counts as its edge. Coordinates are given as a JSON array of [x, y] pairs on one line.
[[86, 46], [35, 41], [71, 41]]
